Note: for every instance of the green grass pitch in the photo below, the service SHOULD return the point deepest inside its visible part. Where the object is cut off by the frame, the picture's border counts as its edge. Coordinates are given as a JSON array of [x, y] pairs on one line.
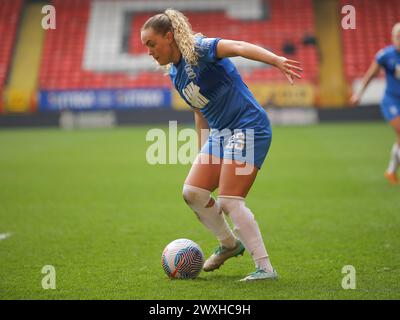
[[87, 203]]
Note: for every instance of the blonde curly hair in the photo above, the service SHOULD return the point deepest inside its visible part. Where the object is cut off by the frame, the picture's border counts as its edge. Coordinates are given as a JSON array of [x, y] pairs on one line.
[[396, 29], [176, 22]]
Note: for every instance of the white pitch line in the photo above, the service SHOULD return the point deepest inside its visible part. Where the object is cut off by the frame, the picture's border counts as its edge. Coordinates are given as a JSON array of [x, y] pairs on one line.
[[4, 236]]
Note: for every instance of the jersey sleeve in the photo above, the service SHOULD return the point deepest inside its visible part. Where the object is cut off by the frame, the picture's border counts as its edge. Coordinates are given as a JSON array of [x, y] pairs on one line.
[[207, 49], [381, 58]]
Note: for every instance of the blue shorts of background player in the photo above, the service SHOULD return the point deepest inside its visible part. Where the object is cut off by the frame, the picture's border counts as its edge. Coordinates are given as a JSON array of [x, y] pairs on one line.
[[390, 107]]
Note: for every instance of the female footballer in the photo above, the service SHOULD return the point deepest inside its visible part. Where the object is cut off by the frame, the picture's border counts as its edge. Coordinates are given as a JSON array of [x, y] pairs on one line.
[[240, 134], [389, 60]]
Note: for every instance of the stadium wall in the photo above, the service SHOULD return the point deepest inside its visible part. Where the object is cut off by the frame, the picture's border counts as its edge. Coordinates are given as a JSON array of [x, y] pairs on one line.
[[160, 116]]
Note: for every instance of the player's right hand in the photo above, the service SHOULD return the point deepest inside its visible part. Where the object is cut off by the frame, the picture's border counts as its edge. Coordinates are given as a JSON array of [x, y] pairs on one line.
[[354, 100]]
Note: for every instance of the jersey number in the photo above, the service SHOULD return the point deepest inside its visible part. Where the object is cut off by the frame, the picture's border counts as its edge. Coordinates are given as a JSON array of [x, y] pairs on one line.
[[236, 142]]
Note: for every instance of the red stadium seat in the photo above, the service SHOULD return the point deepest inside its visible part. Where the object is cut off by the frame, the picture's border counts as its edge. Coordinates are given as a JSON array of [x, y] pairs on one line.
[[374, 22]]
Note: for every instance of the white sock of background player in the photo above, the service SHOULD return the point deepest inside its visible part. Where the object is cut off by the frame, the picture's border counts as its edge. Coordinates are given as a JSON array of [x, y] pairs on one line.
[[394, 159]]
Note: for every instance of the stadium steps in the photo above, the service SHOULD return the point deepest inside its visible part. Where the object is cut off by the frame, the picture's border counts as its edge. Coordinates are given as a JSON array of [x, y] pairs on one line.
[[24, 73], [9, 18], [332, 88]]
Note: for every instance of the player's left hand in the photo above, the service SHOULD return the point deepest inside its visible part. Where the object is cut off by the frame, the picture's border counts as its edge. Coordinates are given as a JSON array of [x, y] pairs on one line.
[[287, 66]]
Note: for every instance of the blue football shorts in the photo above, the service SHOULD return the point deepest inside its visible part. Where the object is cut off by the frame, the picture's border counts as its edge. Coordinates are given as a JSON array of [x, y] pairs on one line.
[[390, 107], [244, 145]]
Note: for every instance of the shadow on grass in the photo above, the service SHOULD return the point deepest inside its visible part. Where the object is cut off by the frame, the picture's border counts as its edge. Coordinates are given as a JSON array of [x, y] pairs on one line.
[[211, 277]]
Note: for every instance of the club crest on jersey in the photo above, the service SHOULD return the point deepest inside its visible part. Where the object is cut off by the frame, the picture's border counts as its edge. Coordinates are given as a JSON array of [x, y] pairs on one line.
[[194, 97]]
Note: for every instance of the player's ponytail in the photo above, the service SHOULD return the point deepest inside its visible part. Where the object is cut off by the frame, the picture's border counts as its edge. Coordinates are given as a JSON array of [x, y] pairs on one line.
[[184, 35], [176, 22]]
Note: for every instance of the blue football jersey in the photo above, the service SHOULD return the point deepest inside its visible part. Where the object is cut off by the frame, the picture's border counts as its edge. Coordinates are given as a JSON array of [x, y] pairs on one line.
[[389, 59], [215, 87]]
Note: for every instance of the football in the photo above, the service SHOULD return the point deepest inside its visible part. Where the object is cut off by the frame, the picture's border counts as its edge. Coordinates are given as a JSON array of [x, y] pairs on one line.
[[182, 259]]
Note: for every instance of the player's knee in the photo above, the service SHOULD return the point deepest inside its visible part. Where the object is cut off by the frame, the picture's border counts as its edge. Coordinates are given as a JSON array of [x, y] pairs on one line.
[[229, 204], [195, 196], [189, 194]]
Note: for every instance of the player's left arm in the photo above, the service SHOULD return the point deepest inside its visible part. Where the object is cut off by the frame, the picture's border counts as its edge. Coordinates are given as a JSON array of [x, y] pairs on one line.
[[232, 48]]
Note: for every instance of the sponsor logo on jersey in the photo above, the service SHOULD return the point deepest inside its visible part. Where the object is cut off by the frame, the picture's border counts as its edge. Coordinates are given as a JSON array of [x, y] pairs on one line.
[[194, 97]]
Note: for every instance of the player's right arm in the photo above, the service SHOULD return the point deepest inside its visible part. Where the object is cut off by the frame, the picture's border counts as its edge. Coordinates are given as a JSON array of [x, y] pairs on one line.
[[372, 72], [202, 127]]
